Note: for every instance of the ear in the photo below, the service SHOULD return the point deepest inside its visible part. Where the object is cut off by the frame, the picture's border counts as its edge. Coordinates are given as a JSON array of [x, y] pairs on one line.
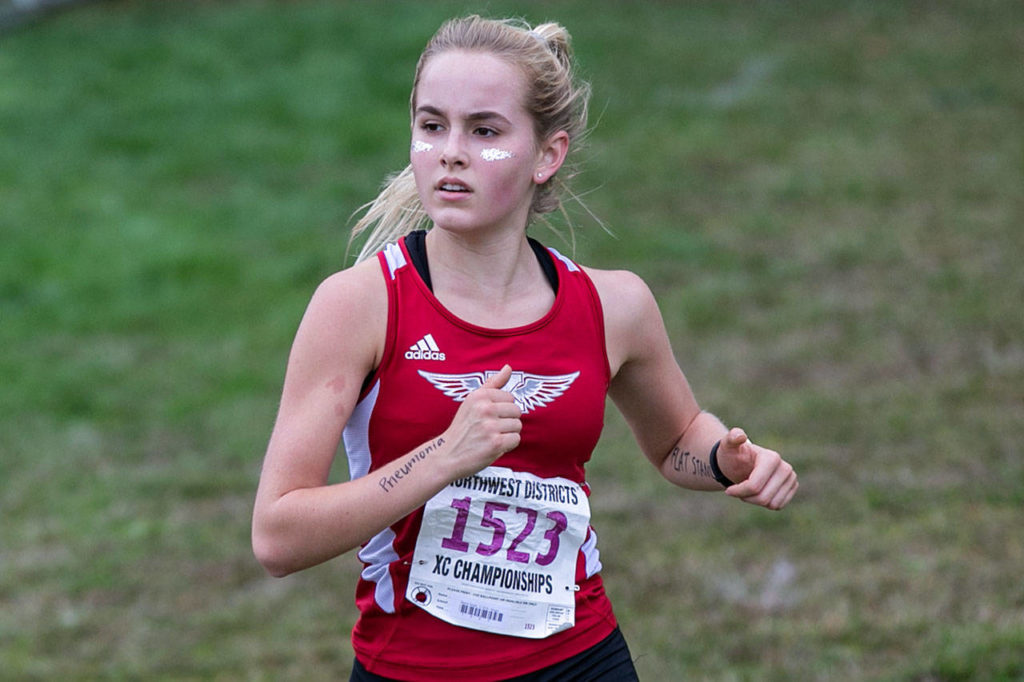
[[551, 156]]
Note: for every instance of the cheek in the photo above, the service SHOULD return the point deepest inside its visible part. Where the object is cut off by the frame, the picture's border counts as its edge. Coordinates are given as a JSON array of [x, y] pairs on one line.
[[511, 179], [421, 176], [422, 158], [421, 154], [511, 164]]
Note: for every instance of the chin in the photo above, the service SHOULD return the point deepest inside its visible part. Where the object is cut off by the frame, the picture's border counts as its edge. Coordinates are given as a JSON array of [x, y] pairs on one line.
[[453, 221]]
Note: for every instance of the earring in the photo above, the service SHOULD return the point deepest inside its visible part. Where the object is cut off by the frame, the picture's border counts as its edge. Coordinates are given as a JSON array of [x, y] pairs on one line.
[[540, 175]]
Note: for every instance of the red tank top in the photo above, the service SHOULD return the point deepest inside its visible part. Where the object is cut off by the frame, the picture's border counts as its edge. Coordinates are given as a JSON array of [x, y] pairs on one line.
[[431, 359]]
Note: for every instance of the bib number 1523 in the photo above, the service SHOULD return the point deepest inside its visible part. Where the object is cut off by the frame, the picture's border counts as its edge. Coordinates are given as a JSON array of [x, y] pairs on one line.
[[497, 517]]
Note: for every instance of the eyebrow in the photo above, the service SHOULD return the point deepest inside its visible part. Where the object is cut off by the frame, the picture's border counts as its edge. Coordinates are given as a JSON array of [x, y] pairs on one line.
[[475, 116]]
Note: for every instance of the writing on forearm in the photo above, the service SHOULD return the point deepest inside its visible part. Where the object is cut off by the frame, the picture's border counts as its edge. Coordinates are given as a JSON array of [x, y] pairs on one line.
[[683, 462], [387, 483]]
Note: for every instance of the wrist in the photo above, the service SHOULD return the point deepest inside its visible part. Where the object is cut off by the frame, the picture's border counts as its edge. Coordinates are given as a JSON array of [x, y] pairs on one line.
[[716, 471]]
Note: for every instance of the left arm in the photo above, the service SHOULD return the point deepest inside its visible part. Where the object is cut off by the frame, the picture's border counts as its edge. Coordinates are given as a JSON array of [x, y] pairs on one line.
[[655, 398]]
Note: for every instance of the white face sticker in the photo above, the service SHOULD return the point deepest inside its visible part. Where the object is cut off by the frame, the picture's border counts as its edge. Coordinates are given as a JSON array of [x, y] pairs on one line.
[[495, 154], [421, 146]]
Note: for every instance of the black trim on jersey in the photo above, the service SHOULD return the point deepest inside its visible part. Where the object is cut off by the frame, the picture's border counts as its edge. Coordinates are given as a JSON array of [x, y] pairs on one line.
[[416, 245], [547, 262]]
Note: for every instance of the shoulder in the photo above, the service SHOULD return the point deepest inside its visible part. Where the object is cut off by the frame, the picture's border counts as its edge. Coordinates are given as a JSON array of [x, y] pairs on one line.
[[351, 295], [631, 315], [348, 313], [360, 285], [616, 285], [625, 297]]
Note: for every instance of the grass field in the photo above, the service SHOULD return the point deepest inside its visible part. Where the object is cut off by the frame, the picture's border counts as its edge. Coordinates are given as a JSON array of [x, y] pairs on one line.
[[827, 198]]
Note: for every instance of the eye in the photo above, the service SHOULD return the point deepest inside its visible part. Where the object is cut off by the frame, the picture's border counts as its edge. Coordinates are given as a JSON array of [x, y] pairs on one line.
[[483, 131], [430, 126]]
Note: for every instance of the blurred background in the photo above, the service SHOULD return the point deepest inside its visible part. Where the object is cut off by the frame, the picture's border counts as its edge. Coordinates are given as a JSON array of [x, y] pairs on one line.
[[826, 197]]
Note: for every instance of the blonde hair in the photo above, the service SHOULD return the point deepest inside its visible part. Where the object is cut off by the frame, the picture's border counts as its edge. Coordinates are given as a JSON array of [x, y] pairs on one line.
[[555, 99]]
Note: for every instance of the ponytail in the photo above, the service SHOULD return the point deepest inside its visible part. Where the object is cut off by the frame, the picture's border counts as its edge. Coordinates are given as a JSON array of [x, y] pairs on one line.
[[395, 212]]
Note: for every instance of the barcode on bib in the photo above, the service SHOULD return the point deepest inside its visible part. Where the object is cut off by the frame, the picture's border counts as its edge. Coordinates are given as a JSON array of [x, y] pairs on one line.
[[474, 611]]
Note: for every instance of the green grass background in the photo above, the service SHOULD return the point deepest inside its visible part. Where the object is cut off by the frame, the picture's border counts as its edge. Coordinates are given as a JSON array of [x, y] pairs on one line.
[[826, 197]]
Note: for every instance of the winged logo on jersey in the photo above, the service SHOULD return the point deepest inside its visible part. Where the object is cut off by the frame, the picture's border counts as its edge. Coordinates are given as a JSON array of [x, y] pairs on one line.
[[530, 391]]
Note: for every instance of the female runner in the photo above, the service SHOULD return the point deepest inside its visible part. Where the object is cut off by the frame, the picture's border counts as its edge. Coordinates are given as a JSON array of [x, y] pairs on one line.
[[466, 367]]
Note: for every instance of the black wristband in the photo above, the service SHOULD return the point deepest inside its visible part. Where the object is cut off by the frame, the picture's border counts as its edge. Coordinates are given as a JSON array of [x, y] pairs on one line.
[[715, 471]]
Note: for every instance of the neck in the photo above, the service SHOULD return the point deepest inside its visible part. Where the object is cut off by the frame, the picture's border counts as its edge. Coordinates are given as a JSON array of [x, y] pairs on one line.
[[488, 278]]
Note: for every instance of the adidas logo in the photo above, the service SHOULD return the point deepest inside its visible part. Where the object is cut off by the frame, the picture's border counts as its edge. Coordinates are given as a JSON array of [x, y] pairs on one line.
[[424, 349]]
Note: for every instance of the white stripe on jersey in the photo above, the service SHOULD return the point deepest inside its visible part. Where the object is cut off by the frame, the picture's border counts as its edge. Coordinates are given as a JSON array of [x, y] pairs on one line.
[[591, 557], [395, 258], [568, 263], [379, 552], [357, 434]]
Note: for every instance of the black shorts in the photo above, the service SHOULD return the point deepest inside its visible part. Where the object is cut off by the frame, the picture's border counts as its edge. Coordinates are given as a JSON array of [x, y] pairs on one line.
[[606, 661]]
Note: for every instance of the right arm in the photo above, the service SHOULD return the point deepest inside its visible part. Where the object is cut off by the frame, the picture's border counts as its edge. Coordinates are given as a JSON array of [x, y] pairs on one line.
[[299, 520]]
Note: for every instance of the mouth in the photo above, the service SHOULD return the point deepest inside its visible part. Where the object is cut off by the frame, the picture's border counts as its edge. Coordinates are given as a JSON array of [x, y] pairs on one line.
[[454, 186]]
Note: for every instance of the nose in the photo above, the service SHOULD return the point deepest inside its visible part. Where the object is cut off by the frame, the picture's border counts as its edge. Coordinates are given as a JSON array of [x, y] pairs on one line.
[[454, 154]]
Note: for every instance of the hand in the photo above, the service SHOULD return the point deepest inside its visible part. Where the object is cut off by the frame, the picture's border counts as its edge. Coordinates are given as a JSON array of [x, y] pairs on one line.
[[771, 481], [486, 426]]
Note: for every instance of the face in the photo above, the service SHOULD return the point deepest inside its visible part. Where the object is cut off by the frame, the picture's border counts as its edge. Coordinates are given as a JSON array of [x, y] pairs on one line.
[[474, 153]]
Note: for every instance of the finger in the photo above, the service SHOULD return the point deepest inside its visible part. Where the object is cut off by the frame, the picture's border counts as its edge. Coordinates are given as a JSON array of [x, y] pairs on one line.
[[507, 409], [510, 425], [766, 495], [735, 438], [776, 491], [785, 493], [774, 501], [509, 442], [743, 490], [759, 477], [500, 379]]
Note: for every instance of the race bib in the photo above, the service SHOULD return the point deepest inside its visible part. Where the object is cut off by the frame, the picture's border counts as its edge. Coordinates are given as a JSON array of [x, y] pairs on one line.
[[497, 552]]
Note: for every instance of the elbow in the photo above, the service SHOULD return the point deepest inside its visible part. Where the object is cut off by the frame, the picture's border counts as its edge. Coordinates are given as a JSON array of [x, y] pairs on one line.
[[271, 555], [270, 543], [276, 570], [273, 564]]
